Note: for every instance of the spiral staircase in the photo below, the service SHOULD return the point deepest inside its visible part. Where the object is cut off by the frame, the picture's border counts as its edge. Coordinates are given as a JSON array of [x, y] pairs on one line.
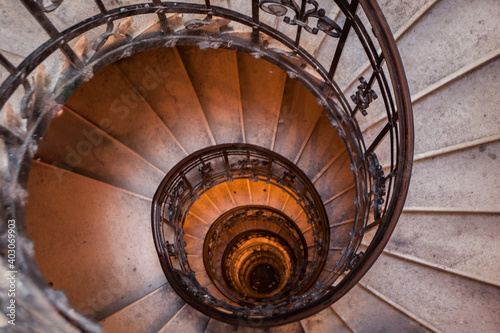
[[163, 139]]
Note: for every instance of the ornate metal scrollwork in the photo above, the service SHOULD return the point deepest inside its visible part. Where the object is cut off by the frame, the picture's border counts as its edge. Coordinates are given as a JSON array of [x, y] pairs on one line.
[[301, 18], [363, 97], [120, 30], [378, 185], [207, 22], [205, 169], [246, 164]]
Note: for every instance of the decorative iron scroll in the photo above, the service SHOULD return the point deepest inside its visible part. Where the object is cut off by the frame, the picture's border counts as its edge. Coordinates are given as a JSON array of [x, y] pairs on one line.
[[302, 15], [364, 96]]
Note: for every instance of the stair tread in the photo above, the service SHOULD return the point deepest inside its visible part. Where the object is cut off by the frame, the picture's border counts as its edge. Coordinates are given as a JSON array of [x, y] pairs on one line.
[[324, 321], [239, 191], [446, 47], [440, 239], [174, 100], [323, 145], [102, 274], [88, 150], [442, 293], [341, 208], [458, 180], [205, 209], [194, 227], [445, 119], [372, 314], [299, 112], [398, 16], [336, 178], [148, 314], [288, 328], [110, 102], [187, 320], [215, 326], [262, 85], [259, 192], [221, 198], [214, 74]]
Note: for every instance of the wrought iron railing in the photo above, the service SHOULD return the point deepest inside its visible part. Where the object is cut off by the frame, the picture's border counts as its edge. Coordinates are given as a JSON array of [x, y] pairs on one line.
[[205, 169], [288, 33]]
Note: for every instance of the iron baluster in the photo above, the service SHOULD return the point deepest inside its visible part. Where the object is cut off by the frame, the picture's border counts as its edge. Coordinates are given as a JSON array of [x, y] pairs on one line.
[[256, 21], [165, 27], [7, 65], [37, 12], [350, 13]]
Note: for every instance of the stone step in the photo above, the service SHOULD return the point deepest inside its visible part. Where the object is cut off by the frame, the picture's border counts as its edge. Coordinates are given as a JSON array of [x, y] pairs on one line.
[[442, 292], [70, 219], [289, 328], [445, 119], [298, 117], [324, 321], [160, 77], [77, 145], [147, 314], [321, 147], [187, 320], [463, 180], [219, 327], [423, 235], [261, 87], [447, 48], [214, 75], [205, 209], [372, 315], [197, 265], [114, 104]]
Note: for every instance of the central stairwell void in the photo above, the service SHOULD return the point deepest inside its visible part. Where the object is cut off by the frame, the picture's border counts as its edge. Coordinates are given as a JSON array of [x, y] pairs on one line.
[[242, 150]]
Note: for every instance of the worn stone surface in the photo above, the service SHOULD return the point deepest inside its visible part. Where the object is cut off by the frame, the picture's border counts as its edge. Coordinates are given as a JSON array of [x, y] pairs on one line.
[[147, 314], [100, 274], [472, 248], [214, 75], [465, 180], [325, 321], [452, 303], [74, 143], [299, 113], [465, 110], [112, 103], [372, 314], [219, 327], [160, 77], [186, 320], [28, 35], [323, 144], [262, 86], [450, 36]]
